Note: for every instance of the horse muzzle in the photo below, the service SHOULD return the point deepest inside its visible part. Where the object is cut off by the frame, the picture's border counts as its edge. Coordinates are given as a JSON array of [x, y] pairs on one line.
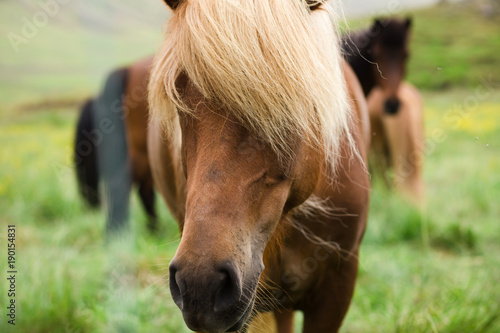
[[212, 299], [392, 106]]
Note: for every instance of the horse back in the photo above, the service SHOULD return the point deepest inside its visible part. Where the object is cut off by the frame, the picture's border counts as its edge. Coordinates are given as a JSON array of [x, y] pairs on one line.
[[136, 117]]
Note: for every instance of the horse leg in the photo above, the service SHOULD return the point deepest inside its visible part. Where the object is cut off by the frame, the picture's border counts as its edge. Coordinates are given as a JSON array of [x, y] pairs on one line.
[[380, 155], [327, 310], [284, 319], [147, 195], [386, 159]]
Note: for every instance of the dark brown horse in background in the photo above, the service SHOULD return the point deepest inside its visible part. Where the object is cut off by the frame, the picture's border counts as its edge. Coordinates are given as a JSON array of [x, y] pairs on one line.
[[252, 151], [111, 145], [379, 56]]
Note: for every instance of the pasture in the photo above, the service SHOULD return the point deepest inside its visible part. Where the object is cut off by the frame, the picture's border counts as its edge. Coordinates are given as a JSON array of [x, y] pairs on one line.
[[432, 271]]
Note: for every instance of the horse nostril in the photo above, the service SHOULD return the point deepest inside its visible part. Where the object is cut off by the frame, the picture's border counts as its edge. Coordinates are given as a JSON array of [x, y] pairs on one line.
[[229, 291], [176, 285], [392, 106]]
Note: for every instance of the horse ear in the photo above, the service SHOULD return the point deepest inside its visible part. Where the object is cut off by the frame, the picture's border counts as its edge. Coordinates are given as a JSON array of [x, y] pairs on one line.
[[377, 25], [173, 4], [408, 22], [314, 4]]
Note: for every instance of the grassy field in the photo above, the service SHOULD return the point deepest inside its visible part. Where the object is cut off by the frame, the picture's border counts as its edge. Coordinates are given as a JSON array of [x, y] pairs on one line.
[[432, 271]]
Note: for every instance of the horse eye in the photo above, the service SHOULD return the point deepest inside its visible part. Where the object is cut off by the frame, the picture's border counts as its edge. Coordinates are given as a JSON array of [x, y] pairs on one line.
[[275, 179]]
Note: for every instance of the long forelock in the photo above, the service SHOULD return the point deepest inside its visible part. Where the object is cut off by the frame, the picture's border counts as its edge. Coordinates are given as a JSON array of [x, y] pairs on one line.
[[274, 64]]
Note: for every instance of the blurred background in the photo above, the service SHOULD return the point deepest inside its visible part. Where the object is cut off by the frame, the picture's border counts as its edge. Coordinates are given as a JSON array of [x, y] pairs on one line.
[[435, 269]]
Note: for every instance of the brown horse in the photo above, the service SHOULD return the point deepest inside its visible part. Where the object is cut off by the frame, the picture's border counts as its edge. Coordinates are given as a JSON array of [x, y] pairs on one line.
[[257, 144], [379, 56], [111, 144]]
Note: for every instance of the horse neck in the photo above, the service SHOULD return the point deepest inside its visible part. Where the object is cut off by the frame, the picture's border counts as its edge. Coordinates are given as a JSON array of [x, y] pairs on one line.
[[357, 53]]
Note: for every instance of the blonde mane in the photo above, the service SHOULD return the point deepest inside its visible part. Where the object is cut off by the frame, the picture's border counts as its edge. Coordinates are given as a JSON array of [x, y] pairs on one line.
[[274, 64]]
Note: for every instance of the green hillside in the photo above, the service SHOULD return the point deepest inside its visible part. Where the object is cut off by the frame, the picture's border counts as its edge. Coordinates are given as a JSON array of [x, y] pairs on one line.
[[69, 56]]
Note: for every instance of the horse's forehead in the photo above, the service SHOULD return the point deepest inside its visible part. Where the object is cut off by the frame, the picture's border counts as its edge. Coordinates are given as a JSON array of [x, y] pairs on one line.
[[394, 34], [209, 120], [210, 117], [223, 135]]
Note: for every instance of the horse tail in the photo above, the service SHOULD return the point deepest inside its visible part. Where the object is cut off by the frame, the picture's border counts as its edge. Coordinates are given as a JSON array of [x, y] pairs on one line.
[[85, 156], [113, 160]]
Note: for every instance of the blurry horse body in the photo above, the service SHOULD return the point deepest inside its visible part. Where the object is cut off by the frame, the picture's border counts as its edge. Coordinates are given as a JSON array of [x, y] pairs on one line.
[[112, 136], [378, 56], [399, 139], [257, 143]]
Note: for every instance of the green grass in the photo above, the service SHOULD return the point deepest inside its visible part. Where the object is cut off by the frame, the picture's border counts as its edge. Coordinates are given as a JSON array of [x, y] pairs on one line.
[[68, 279], [437, 271], [432, 271], [454, 45]]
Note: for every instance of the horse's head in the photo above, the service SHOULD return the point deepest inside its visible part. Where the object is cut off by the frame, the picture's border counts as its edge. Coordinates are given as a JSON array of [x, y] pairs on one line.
[[238, 189], [253, 123], [389, 48]]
